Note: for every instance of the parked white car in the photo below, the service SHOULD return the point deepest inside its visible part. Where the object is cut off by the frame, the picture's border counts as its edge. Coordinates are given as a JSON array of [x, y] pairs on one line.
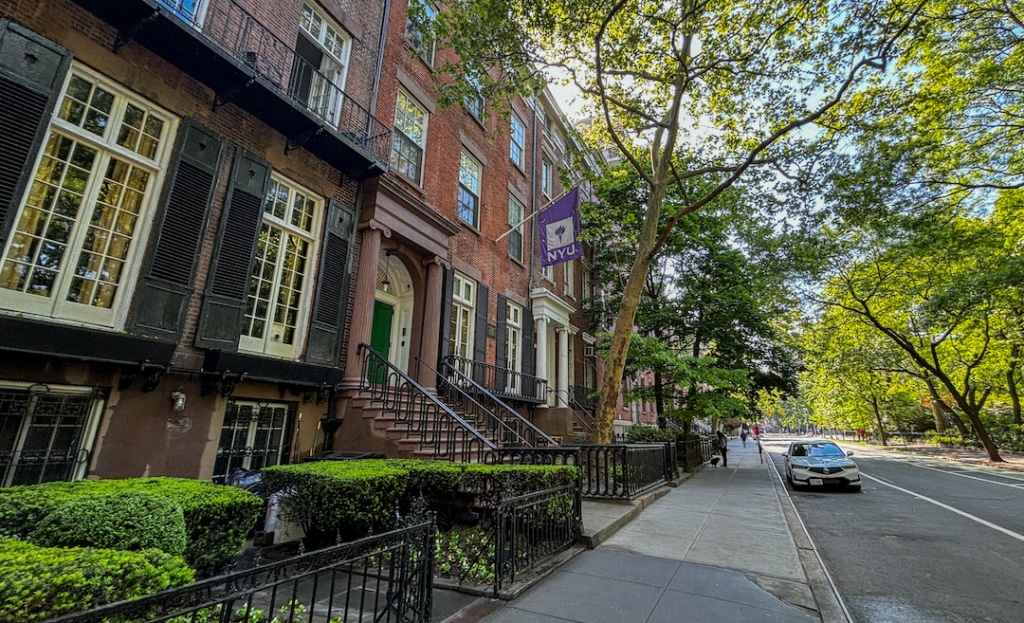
[[819, 462]]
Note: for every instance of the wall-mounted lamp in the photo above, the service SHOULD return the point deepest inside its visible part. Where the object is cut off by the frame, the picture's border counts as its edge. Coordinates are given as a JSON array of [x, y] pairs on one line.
[[385, 286], [178, 399]]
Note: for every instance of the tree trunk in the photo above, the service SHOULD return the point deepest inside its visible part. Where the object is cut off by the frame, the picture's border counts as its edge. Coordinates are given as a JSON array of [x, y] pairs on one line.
[[879, 421], [942, 412], [1011, 383], [616, 362], [659, 400]]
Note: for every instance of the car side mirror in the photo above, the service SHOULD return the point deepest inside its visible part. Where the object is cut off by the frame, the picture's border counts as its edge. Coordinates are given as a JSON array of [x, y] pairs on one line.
[[785, 454], [849, 453]]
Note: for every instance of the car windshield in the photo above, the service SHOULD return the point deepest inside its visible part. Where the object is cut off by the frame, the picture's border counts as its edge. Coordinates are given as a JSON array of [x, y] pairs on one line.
[[817, 449]]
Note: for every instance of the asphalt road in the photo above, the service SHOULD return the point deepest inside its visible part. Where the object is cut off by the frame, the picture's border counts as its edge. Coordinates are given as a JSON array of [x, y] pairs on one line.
[[927, 541]]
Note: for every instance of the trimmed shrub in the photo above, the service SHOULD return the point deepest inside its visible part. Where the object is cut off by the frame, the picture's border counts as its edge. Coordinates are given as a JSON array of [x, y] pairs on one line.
[[217, 517], [39, 583], [127, 521], [333, 500]]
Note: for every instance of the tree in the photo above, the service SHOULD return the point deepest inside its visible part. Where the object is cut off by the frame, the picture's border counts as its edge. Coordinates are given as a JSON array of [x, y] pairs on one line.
[[738, 85], [704, 323]]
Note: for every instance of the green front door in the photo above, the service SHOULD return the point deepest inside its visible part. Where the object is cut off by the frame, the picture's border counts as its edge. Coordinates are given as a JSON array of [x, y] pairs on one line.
[[380, 337]]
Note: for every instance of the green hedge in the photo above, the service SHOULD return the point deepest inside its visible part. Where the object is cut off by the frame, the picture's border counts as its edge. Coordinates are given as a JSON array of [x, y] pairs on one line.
[[348, 499], [217, 517], [334, 500], [39, 583], [128, 521]]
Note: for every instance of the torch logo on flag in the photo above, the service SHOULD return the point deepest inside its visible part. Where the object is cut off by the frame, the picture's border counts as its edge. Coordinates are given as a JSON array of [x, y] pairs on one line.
[[559, 230]]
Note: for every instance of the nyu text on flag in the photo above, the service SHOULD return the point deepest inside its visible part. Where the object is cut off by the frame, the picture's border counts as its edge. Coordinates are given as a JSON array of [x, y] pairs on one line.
[[559, 230]]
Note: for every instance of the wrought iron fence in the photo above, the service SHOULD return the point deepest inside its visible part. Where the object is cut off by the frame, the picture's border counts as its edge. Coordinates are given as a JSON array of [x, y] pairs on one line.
[[230, 27], [621, 470], [502, 382], [531, 527], [385, 578], [705, 448], [420, 413], [548, 456]]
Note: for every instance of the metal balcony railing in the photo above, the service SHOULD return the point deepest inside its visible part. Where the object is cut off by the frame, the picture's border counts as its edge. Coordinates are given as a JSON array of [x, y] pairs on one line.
[[234, 30], [502, 382]]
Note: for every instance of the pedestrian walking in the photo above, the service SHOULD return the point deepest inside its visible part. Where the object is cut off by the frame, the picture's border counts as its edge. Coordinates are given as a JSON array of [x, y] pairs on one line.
[[723, 448], [743, 436], [757, 431]]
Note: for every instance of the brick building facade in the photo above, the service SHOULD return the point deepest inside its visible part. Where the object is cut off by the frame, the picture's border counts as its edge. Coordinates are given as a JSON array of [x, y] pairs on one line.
[[207, 206]]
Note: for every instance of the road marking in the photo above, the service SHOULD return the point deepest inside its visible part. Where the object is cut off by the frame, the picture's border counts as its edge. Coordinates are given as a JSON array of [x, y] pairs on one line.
[[1017, 485], [955, 470], [1011, 533]]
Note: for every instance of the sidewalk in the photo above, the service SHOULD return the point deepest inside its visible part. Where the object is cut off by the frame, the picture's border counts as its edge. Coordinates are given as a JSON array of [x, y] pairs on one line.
[[1011, 460], [720, 547]]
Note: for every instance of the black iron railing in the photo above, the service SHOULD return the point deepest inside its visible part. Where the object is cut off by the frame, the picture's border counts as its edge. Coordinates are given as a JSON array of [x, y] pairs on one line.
[[582, 412], [381, 578], [230, 27], [420, 413], [706, 448], [531, 527], [502, 382], [585, 397], [621, 470], [546, 456], [486, 411]]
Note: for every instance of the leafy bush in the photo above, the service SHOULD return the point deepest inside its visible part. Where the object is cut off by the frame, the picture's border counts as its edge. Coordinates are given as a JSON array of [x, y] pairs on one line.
[[38, 583], [217, 517], [465, 553], [127, 521], [642, 434], [338, 499]]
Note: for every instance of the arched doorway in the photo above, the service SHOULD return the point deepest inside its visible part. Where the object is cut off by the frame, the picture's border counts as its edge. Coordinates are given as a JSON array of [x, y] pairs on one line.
[[392, 311]]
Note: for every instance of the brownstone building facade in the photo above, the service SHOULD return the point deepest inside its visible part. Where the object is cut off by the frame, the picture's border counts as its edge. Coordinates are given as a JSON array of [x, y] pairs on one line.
[[207, 206]]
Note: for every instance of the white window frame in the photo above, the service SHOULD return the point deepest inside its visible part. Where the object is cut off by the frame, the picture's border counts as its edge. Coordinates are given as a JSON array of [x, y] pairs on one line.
[[547, 175], [284, 451], [516, 210], [513, 345], [470, 179], [403, 134], [517, 140], [586, 294], [269, 343], [569, 279], [328, 84], [548, 272], [56, 306], [192, 17], [463, 319], [89, 427]]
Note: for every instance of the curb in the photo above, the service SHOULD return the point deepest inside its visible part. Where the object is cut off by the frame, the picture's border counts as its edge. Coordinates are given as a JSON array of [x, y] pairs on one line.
[[830, 605]]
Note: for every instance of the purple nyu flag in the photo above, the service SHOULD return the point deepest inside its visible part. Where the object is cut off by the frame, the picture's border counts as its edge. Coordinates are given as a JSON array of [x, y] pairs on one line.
[[559, 228]]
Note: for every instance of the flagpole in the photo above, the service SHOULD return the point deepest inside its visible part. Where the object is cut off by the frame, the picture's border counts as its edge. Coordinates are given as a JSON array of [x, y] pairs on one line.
[[546, 206]]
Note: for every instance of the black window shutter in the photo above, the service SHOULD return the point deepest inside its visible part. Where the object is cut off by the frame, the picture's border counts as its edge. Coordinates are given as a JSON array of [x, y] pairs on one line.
[[528, 343], [330, 300], [499, 336], [447, 289], [220, 319], [32, 71], [480, 338], [161, 299]]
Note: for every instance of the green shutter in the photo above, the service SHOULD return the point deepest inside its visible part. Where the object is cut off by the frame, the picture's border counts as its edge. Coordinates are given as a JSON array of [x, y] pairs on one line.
[[528, 343], [161, 299], [480, 339], [447, 288], [329, 305], [220, 319], [32, 71]]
